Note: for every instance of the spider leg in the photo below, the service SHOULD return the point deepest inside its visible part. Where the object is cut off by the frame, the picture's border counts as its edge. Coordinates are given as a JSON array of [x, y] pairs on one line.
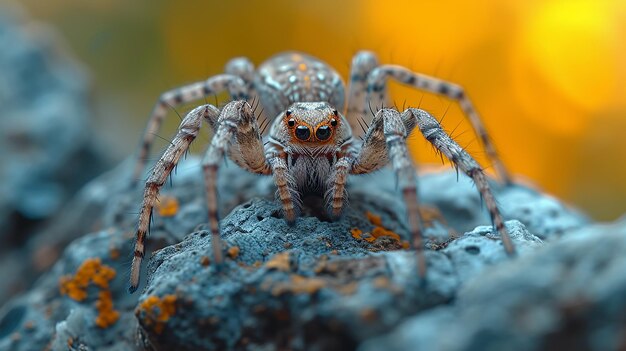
[[188, 93], [243, 68], [285, 183], [236, 123], [362, 64], [432, 131], [376, 90], [187, 132], [385, 142], [336, 194]]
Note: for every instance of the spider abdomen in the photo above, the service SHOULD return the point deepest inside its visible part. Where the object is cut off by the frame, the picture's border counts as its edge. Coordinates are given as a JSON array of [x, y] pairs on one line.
[[294, 77]]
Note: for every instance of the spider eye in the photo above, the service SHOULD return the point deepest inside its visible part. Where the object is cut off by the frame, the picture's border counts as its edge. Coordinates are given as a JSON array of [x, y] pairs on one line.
[[303, 133], [323, 133], [291, 122], [333, 122]]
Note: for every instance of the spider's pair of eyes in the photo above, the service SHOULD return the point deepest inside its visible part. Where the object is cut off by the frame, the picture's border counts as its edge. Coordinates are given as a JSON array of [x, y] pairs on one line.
[[303, 132]]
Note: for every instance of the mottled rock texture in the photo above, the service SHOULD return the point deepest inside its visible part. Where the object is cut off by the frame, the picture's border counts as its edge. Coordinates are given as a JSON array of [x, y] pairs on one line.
[[47, 149], [317, 284]]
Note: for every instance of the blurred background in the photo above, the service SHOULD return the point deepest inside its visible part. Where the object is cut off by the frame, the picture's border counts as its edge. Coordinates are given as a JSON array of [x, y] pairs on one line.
[[547, 76]]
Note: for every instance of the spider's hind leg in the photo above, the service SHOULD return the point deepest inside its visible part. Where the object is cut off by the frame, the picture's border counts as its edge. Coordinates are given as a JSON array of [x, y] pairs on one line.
[[237, 135], [432, 131]]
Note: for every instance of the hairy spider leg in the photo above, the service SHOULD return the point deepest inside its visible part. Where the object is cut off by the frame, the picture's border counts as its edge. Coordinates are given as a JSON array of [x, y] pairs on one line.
[[376, 87], [187, 132], [185, 94]]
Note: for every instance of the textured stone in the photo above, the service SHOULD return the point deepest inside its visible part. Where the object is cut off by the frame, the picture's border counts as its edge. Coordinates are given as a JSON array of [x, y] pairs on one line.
[[569, 295], [47, 150], [309, 284]]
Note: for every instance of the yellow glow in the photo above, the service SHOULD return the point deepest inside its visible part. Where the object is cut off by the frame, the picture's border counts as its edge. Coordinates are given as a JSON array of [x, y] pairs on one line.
[[573, 45], [547, 76]]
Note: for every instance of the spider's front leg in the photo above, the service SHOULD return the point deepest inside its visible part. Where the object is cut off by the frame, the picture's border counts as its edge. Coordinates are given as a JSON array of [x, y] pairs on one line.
[[385, 142], [236, 125], [187, 132]]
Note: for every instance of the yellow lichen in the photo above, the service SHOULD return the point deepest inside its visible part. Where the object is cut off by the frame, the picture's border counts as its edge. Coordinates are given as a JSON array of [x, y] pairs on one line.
[[356, 233], [107, 316], [92, 271], [157, 311], [233, 251], [298, 285], [374, 219], [377, 232], [279, 262], [114, 253], [167, 206]]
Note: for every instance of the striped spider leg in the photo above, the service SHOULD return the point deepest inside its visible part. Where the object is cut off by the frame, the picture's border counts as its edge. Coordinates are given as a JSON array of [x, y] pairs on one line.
[[237, 81], [235, 129], [385, 141], [368, 88]]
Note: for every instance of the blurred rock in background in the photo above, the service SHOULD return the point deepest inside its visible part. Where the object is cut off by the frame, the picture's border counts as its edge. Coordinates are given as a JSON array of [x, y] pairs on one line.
[[47, 146]]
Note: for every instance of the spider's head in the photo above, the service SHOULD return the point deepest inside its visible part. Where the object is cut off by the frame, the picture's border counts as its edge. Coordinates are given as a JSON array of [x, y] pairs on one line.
[[316, 123]]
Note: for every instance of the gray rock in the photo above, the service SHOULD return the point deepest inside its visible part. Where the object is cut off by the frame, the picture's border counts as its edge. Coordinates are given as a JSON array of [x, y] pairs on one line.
[[568, 295], [311, 285], [47, 150], [45, 318], [456, 198]]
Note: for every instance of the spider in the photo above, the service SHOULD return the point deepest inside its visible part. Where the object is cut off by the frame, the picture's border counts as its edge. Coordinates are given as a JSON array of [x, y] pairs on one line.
[[310, 146]]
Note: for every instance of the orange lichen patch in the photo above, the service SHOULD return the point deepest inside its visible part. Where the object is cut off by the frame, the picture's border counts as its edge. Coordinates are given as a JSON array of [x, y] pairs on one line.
[[369, 239], [374, 219], [356, 233], [167, 206], [114, 253], [107, 316], [430, 215], [157, 311], [279, 262], [381, 282], [205, 261], [233, 251], [91, 270], [369, 315], [377, 232], [299, 285], [348, 289]]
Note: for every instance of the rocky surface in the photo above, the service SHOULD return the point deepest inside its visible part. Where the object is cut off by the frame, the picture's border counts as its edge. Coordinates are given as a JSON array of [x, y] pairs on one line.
[[318, 283], [570, 295], [47, 151]]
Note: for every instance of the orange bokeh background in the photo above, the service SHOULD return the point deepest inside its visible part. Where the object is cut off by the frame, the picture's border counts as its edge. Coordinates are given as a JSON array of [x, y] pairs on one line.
[[547, 76]]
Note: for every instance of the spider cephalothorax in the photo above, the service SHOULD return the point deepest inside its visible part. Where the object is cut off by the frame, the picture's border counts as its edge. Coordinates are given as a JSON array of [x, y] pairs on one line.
[[310, 146]]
